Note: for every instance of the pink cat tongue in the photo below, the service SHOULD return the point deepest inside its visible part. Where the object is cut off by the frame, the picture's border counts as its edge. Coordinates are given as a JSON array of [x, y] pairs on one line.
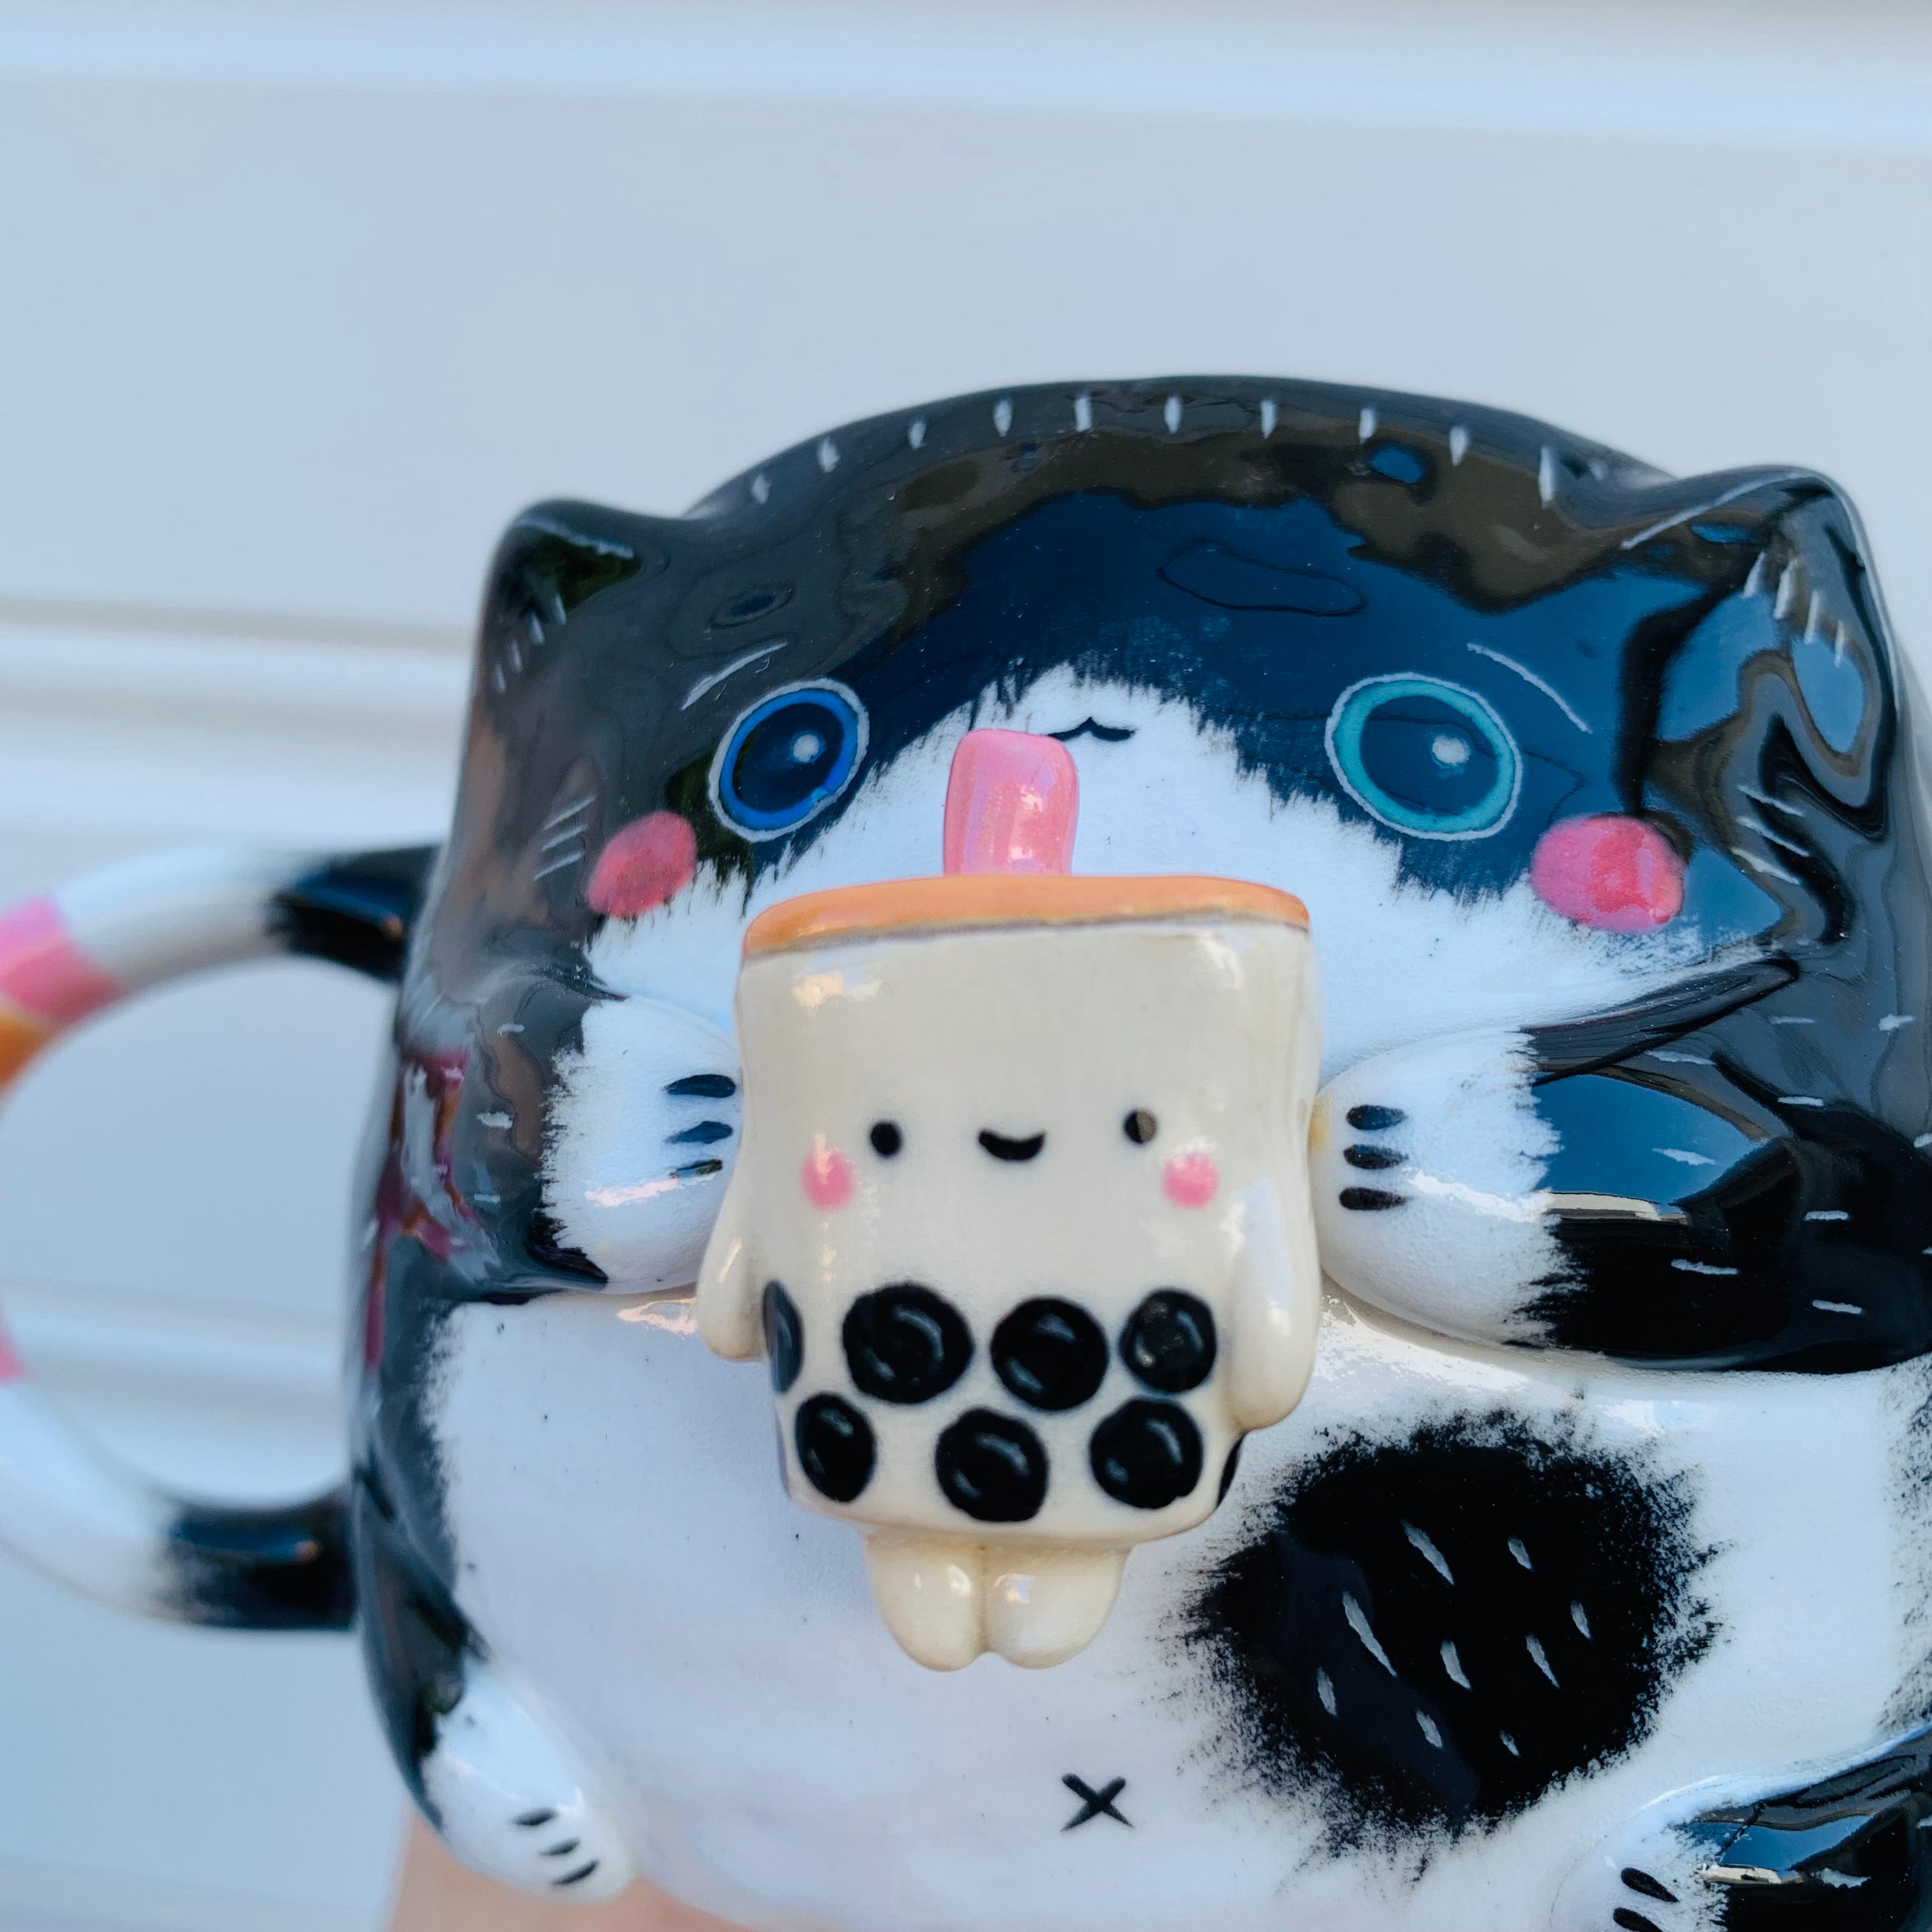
[[1012, 802]]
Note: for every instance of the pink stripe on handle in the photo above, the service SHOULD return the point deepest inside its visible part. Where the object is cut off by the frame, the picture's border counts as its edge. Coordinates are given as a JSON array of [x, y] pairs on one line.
[[44, 971], [11, 1366], [1012, 803]]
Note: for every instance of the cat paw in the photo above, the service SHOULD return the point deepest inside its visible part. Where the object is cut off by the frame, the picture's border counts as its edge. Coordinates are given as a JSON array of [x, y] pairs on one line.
[[509, 1798], [1425, 1164], [1846, 1853]]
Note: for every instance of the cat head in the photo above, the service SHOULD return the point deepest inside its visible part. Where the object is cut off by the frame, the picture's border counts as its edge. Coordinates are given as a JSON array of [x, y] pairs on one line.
[[1525, 723]]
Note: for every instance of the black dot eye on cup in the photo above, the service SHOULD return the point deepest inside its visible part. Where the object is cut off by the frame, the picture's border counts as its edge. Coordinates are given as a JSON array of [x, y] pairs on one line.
[[834, 1447], [1168, 1342], [905, 1344], [1139, 1127], [1050, 1354], [1147, 1454], [785, 1335], [886, 1138], [991, 1467]]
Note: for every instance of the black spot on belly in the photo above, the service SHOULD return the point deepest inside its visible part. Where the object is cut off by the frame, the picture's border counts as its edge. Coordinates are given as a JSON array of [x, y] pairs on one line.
[[992, 1467], [784, 1338], [834, 1447], [1050, 1354], [1147, 1454], [905, 1343], [1432, 1634], [1169, 1341]]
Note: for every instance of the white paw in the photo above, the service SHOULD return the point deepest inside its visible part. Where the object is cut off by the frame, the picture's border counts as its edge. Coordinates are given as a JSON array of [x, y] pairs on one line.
[[511, 1801], [1650, 1874], [1427, 1165]]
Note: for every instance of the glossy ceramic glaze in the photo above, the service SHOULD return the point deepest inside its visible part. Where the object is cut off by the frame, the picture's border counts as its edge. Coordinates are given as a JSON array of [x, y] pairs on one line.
[[1585, 1586]]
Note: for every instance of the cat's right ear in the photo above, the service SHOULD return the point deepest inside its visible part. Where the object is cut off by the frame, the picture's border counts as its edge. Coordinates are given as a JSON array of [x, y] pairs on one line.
[[554, 559]]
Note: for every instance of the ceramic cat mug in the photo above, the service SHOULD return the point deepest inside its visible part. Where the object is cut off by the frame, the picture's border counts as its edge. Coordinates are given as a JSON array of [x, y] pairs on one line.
[[1584, 1585]]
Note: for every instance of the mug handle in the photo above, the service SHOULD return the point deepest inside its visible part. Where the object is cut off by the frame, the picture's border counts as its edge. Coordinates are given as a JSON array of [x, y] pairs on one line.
[[66, 1507]]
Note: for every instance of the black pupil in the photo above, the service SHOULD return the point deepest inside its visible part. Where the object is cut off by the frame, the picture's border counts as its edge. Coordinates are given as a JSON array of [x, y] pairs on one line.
[[785, 758], [886, 1139], [1139, 1127], [1427, 755]]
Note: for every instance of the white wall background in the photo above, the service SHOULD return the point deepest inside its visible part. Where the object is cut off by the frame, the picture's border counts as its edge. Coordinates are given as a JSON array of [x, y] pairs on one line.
[[299, 303]]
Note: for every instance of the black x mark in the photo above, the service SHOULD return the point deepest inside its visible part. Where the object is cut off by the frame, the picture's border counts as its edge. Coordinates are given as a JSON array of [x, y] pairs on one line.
[[1095, 1803]]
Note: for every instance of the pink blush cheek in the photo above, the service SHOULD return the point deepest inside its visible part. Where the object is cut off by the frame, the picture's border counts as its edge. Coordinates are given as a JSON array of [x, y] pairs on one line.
[[1617, 874], [827, 1176], [650, 860], [1190, 1179]]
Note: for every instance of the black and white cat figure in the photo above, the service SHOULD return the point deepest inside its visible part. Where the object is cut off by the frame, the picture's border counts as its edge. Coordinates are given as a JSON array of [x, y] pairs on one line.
[[1585, 1587]]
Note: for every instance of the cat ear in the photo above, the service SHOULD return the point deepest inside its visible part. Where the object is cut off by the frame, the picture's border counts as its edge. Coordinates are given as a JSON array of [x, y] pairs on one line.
[[555, 558]]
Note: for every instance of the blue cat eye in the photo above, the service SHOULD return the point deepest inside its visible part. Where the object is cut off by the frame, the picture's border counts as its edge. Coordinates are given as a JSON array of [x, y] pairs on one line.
[[787, 758], [1425, 757]]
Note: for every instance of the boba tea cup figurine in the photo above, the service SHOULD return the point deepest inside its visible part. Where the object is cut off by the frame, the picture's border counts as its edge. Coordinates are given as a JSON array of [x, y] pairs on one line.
[[1063, 1099], [1582, 1589]]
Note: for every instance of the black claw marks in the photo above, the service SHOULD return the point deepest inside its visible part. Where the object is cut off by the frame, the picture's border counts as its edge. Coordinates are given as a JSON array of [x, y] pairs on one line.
[[992, 1467], [1641, 1881], [1633, 1921], [1362, 1155], [785, 1337], [1381, 1641], [1050, 1354], [1369, 1119], [1367, 1200], [1147, 1454], [835, 1445], [905, 1344], [1168, 1343]]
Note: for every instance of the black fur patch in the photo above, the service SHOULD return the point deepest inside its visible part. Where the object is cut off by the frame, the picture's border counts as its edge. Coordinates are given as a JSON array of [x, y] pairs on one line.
[[1429, 1635]]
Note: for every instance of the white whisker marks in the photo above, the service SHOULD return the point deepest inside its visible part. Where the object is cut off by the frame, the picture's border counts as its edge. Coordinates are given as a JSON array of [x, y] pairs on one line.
[[1787, 591], [1358, 1622], [1325, 1689], [570, 835], [1684, 1155], [1429, 1730], [1792, 1019], [1776, 804], [1799, 1100], [515, 656], [1840, 638], [1459, 444], [1539, 1659], [1452, 1664], [576, 806], [1664, 1053], [1815, 610], [1433, 1557], [497, 680], [1826, 1214], [1838, 1307], [558, 864], [1754, 582], [1684, 1267], [1529, 676], [510, 1026], [1521, 1556], [1577, 1618], [1764, 831], [1509, 1744], [1768, 867]]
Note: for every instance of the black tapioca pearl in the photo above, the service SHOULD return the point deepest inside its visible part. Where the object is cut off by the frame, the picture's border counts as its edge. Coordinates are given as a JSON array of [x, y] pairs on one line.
[[785, 1335], [1147, 1454], [886, 1138], [991, 1466], [834, 1447], [1050, 1354], [1369, 1119], [1139, 1127], [906, 1344], [1168, 1342]]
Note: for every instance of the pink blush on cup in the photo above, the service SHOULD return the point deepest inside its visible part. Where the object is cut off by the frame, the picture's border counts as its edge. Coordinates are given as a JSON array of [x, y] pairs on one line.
[[827, 1175], [1190, 1179]]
